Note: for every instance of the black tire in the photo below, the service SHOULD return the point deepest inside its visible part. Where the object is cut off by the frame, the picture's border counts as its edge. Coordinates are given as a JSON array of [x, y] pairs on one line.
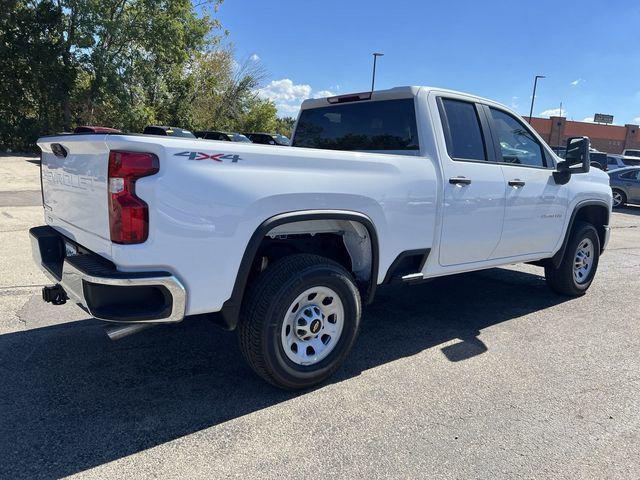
[[263, 313], [623, 197], [562, 279]]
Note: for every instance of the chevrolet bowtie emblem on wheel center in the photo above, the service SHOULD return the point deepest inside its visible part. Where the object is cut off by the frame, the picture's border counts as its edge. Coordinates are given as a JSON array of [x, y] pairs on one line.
[[315, 326]]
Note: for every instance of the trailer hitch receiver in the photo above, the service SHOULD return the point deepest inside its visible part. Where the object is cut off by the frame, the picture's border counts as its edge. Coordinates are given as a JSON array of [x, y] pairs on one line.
[[54, 294]]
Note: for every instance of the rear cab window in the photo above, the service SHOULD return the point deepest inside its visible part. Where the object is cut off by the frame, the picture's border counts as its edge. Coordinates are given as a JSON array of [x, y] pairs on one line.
[[378, 126]]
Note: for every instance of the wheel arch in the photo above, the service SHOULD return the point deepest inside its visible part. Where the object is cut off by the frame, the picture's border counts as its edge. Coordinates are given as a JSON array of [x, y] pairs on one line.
[[229, 314], [595, 212]]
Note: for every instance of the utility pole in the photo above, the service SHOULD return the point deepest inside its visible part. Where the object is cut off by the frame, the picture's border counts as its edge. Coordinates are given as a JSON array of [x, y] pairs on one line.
[[533, 97], [559, 138], [373, 79]]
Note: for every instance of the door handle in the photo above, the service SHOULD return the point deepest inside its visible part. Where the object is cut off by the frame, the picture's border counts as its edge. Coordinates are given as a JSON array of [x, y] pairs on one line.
[[460, 181], [516, 183]]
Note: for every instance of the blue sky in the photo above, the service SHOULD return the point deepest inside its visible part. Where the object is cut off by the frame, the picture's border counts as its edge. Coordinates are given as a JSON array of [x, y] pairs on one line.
[[589, 50]]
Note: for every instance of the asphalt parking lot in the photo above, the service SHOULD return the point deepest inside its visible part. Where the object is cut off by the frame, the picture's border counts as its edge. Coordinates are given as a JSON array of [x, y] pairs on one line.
[[483, 375]]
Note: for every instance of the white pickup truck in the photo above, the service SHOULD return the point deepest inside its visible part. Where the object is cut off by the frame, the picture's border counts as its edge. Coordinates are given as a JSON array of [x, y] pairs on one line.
[[286, 243]]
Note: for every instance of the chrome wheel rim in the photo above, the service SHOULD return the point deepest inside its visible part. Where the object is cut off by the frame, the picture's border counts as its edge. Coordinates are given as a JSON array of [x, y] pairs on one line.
[[583, 262], [617, 199], [312, 326]]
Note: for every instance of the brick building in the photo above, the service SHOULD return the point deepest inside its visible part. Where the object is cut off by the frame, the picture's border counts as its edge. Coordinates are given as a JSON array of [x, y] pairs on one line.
[[606, 138]]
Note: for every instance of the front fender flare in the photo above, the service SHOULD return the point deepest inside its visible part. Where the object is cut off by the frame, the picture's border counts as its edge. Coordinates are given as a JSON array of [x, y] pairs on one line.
[[557, 258]]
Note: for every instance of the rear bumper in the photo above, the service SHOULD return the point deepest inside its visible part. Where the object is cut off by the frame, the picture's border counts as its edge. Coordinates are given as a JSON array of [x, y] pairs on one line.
[[108, 294]]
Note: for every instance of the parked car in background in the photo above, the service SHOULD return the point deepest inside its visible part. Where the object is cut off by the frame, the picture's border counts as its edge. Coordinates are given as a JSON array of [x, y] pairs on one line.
[[269, 139], [615, 161], [598, 160], [625, 186], [631, 152], [167, 131], [223, 136], [95, 129], [630, 160]]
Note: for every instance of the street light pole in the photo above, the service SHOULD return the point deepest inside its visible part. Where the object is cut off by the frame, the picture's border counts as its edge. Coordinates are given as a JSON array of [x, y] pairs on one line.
[[533, 97], [373, 79]]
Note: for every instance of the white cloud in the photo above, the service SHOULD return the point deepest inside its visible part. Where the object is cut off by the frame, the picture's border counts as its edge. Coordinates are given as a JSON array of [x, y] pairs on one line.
[[287, 110], [577, 82], [324, 93], [553, 112], [514, 102], [636, 120], [254, 57], [285, 90], [288, 96], [588, 119]]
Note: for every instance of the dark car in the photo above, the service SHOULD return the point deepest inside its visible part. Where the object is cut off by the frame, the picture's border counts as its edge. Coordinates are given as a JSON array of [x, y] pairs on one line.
[[95, 129], [167, 131], [598, 160], [625, 185], [268, 139], [223, 136]]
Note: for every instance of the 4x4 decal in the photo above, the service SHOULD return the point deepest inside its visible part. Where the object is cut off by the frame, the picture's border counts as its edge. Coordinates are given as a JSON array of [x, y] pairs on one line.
[[216, 157]]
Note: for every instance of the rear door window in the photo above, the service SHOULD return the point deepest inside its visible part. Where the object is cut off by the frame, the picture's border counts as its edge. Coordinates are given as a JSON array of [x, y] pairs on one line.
[[462, 130], [384, 125]]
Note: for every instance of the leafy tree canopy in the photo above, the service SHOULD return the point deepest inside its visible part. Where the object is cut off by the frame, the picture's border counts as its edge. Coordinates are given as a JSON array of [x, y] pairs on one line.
[[123, 64]]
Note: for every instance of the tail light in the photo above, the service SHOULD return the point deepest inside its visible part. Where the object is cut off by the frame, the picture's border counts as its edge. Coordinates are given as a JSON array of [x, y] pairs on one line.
[[128, 214]]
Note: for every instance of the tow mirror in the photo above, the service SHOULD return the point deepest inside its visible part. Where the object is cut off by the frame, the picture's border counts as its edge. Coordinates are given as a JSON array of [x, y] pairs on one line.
[[575, 161]]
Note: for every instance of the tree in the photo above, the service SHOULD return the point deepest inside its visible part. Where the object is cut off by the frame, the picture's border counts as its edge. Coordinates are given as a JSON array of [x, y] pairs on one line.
[[284, 126], [122, 63], [33, 81], [260, 117], [225, 97]]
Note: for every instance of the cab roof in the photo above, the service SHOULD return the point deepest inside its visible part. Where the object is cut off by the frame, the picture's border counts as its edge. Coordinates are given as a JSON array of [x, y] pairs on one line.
[[389, 94]]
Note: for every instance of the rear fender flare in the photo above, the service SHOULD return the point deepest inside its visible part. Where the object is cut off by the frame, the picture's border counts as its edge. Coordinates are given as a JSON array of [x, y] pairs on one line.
[[231, 308]]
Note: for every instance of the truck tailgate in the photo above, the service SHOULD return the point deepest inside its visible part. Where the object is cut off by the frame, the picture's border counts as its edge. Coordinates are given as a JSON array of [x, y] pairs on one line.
[[74, 188]]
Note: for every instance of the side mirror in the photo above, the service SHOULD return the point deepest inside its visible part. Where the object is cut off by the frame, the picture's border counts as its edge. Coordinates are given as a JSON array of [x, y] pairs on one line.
[[576, 160]]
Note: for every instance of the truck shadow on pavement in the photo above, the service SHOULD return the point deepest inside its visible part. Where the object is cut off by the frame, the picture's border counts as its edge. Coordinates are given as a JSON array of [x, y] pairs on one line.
[[72, 400]]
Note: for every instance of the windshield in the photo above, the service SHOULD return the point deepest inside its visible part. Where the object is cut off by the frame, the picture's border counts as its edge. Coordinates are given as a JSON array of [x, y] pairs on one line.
[[237, 137], [363, 126], [282, 140], [179, 133]]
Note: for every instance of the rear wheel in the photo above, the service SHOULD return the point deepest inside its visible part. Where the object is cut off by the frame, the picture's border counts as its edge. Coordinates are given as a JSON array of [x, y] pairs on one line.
[[299, 321], [619, 198], [579, 263]]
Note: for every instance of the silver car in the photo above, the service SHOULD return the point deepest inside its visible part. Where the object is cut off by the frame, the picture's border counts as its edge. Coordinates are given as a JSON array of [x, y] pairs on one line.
[[625, 184]]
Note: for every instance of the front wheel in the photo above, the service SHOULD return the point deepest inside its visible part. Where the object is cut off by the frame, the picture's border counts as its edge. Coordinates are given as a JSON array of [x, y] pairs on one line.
[[300, 320], [579, 264]]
